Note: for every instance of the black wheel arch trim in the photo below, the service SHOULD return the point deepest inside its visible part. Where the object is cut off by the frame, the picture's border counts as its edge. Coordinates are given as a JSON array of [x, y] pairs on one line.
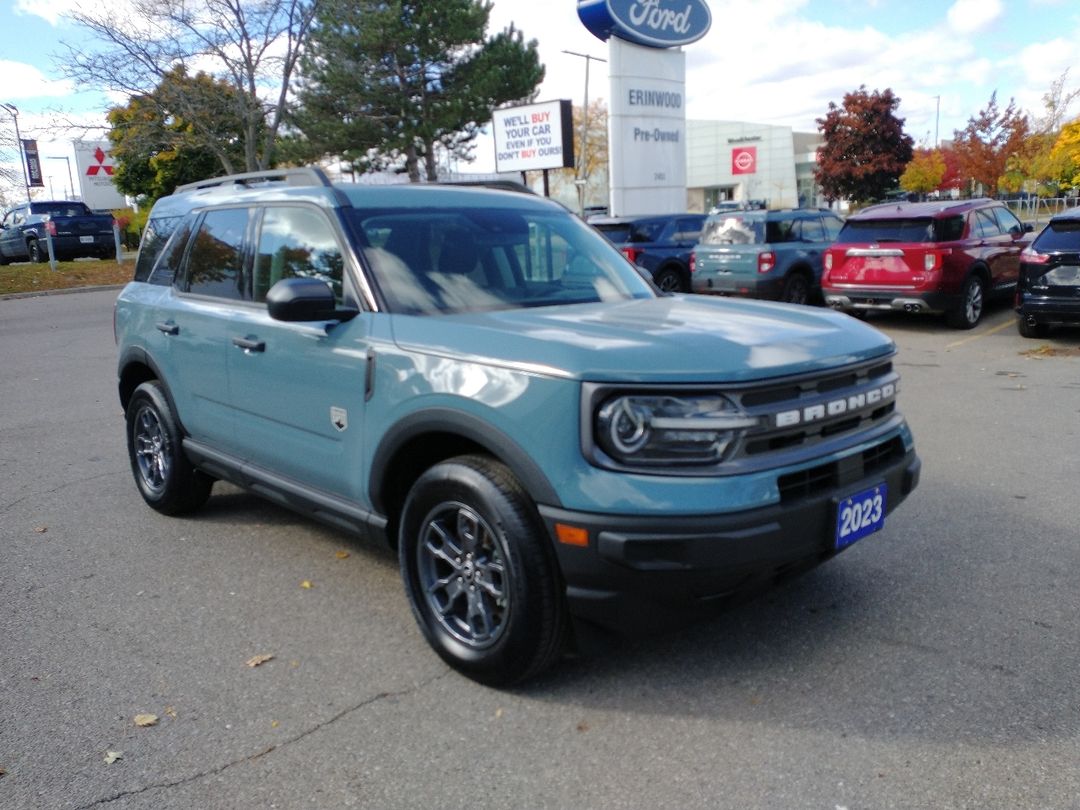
[[474, 429], [138, 356]]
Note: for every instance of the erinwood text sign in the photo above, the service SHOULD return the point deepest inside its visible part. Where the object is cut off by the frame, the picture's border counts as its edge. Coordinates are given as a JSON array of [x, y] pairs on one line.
[[537, 136]]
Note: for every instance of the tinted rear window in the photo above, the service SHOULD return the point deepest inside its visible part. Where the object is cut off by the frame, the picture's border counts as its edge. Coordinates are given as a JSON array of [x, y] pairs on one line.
[[923, 229], [71, 209], [732, 229], [1061, 234]]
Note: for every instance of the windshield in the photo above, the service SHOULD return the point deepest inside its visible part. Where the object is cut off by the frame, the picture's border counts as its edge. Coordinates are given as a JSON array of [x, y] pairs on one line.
[[733, 229], [441, 260]]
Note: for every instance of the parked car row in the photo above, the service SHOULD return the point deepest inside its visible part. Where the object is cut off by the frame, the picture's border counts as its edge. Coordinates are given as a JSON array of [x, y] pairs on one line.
[[944, 257]]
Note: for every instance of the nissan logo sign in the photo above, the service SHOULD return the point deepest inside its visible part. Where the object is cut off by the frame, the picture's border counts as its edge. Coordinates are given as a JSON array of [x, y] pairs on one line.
[[653, 23]]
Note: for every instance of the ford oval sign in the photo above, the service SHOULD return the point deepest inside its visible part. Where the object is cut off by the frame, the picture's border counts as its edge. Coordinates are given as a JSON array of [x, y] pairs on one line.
[[653, 23]]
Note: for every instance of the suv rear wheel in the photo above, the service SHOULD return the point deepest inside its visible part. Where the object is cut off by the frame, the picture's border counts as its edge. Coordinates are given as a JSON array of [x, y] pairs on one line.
[[796, 289], [478, 571], [967, 315], [1028, 330], [670, 279], [165, 477]]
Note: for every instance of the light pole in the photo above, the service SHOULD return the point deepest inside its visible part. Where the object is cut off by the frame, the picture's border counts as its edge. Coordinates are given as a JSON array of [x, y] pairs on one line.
[[582, 180], [11, 108], [937, 120]]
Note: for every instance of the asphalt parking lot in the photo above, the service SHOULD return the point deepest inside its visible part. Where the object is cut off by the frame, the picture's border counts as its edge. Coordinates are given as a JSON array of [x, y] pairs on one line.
[[932, 665]]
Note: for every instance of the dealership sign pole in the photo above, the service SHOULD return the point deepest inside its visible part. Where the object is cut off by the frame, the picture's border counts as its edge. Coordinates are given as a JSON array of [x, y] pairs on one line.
[[647, 124]]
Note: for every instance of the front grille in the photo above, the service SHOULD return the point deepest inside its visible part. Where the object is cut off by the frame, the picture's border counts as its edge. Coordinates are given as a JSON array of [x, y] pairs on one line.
[[798, 414], [825, 477]]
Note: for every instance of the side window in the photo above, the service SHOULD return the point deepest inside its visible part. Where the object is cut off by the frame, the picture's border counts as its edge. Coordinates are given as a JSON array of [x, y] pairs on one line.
[[688, 230], [832, 227], [983, 225], [810, 230], [1007, 221], [216, 259], [296, 242], [778, 231], [154, 238]]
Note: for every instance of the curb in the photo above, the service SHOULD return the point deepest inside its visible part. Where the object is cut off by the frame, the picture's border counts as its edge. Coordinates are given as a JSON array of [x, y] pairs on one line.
[[63, 291]]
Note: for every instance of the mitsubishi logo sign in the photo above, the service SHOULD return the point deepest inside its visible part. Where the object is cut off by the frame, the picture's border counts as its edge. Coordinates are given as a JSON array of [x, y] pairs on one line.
[[99, 165], [97, 175]]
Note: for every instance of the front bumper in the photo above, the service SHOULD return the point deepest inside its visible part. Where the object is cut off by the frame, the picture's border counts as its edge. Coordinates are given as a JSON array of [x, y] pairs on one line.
[[646, 573]]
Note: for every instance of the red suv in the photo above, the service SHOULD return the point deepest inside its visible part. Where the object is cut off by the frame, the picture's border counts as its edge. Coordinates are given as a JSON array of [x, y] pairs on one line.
[[945, 256]]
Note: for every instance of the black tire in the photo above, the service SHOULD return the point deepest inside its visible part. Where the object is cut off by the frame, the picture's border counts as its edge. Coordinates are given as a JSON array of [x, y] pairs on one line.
[[796, 289], [1038, 330], [669, 279], [36, 254], [972, 304], [163, 474], [4, 260], [479, 572]]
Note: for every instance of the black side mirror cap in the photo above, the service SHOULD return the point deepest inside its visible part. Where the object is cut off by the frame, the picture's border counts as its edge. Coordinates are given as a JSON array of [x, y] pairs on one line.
[[1028, 227], [305, 299]]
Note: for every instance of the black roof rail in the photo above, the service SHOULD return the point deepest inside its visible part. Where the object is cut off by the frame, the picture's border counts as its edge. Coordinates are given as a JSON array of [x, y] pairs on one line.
[[503, 185], [303, 176]]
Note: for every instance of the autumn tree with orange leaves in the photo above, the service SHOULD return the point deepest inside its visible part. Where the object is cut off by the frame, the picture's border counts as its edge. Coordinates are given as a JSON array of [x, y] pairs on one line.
[[990, 140]]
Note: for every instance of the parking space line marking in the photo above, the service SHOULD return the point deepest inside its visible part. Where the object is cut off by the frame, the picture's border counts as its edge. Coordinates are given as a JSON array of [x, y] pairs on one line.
[[987, 333]]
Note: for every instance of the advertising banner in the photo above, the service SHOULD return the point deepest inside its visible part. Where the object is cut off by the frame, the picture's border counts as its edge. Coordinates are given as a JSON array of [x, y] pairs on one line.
[[95, 169], [34, 177], [537, 136]]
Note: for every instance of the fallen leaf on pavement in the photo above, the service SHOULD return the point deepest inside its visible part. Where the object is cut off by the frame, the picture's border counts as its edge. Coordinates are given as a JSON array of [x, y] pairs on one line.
[[41, 529], [342, 555], [306, 584], [169, 710], [259, 660], [143, 720], [112, 756]]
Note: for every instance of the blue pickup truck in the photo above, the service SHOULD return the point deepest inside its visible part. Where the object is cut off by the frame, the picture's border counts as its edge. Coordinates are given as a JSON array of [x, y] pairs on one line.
[[75, 230]]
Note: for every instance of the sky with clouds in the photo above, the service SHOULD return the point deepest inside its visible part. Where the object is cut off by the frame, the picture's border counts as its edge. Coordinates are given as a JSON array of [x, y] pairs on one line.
[[765, 61]]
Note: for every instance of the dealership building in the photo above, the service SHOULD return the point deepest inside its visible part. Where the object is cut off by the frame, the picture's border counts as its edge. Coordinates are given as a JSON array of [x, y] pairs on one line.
[[744, 162]]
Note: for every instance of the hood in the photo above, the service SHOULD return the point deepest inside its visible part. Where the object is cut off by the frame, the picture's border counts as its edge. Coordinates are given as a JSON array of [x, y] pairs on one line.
[[678, 338]]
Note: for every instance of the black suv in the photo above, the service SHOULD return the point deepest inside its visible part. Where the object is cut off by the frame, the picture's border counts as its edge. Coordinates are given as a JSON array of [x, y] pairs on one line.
[[659, 244], [1048, 291]]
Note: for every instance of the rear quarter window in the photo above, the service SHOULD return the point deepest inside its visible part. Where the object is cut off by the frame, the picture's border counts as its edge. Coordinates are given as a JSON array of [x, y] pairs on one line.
[[155, 236]]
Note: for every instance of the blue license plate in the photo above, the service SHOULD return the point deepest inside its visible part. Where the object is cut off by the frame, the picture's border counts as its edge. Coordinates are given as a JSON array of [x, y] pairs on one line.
[[860, 514]]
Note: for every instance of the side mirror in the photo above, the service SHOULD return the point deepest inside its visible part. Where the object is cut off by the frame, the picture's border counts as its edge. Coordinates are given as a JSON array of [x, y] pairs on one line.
[[305, 299], [1028, 227]]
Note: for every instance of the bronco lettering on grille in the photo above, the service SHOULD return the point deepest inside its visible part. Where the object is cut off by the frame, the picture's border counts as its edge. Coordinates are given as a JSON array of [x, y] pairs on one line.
[[835, 407]]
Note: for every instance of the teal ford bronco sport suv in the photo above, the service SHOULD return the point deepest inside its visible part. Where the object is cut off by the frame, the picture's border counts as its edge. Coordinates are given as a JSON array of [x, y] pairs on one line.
[[482, 380]]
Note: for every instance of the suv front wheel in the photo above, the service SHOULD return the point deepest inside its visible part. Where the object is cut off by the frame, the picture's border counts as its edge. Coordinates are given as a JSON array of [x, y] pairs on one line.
[[479, 574]]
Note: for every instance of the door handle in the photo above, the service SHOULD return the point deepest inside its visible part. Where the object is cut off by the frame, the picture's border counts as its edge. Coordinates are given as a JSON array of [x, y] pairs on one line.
[[168, 327], [249, 344]]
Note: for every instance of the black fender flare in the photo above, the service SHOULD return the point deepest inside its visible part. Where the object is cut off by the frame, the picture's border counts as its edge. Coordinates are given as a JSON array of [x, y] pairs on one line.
[[472, 428]]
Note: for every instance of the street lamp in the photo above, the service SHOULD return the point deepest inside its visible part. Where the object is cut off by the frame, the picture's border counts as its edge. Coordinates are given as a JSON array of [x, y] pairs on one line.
[[71, 182], [11, 108], [582, 180]]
